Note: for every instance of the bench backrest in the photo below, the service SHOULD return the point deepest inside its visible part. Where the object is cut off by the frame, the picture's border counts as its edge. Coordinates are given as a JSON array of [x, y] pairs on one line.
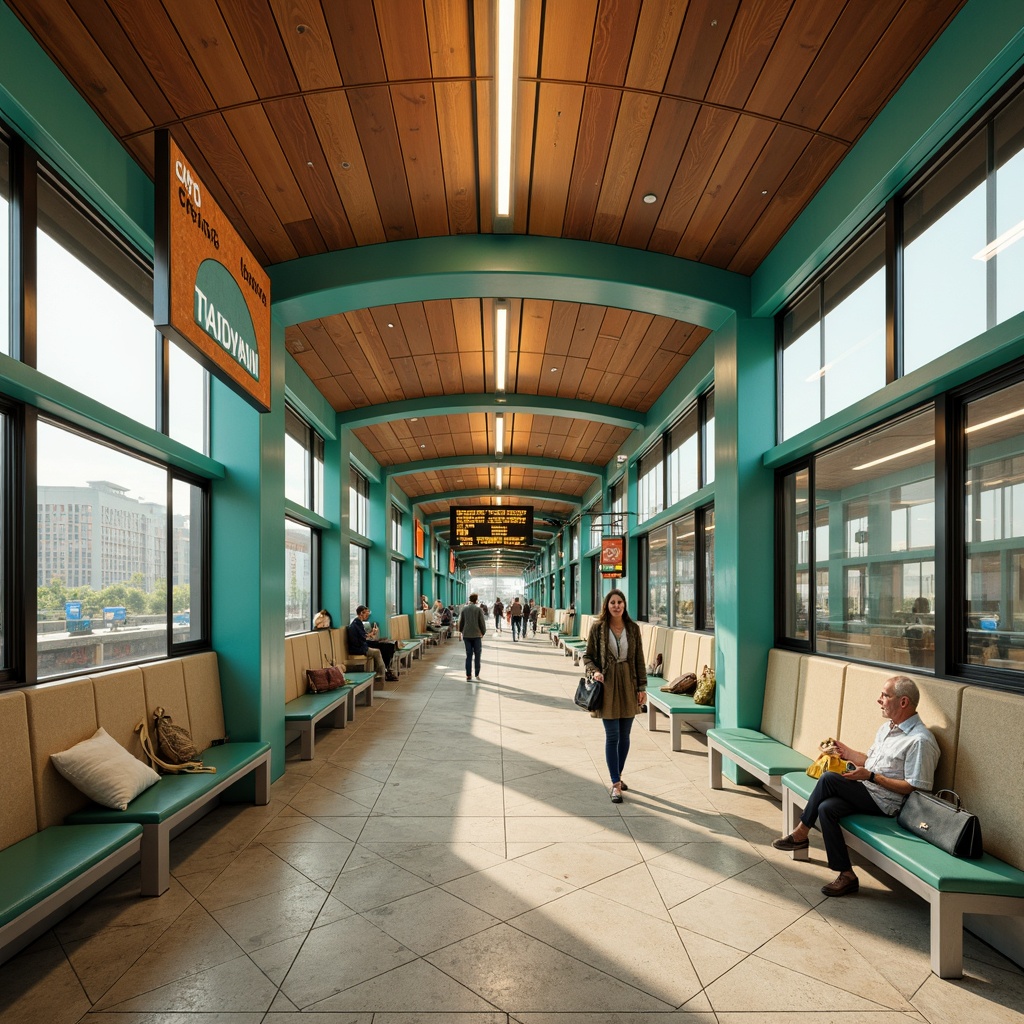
[[705, 652], [398, 627], [421, 622], [990, 752], [819, 700], [18, 806], [64, 713], [782, 681]]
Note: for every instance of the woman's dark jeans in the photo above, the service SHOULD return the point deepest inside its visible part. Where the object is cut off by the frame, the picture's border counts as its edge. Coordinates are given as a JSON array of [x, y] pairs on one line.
[[616, 745], [474, 648]]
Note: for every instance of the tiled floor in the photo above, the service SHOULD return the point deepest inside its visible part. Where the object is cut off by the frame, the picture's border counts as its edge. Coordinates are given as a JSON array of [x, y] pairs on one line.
[[454, 856]]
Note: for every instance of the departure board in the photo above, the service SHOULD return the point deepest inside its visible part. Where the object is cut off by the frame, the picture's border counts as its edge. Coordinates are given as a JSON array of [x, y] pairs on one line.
[[491, 526]]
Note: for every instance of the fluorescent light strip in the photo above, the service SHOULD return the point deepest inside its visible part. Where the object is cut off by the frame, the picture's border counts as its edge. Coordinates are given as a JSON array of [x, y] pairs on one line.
[[1004, 241], [500, 344], [996, 419], [498, 476], [505, 64], [895, 455], [499, 434]]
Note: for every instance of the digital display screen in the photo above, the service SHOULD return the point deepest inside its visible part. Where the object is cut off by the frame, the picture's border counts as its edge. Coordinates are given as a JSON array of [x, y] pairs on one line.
[[491, 526]]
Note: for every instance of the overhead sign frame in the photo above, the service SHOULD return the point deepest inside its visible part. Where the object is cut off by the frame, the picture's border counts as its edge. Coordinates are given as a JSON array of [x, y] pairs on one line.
[[491, 526], [210, 294]]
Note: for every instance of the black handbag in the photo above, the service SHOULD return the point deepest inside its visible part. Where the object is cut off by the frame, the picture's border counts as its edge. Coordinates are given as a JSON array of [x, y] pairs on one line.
[[942, 823], [589, 693]]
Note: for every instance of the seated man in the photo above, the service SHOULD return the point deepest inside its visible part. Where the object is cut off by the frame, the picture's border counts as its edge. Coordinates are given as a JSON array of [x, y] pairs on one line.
[[901, 759], [360, 642]]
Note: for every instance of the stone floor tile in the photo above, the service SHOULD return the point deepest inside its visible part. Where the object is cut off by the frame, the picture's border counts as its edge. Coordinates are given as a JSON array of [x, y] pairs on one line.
[[508, 889], [428, 920]]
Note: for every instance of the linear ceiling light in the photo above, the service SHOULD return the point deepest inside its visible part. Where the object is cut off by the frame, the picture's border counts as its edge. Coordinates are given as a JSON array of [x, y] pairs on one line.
[[500, 345], [895, 455], [504, 102], [995, 419], [497, 474], [499, 436], [1004, 241]]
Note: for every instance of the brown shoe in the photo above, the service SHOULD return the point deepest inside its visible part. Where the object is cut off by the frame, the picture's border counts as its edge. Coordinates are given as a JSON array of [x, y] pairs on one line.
[[842, 886], [790, 843]]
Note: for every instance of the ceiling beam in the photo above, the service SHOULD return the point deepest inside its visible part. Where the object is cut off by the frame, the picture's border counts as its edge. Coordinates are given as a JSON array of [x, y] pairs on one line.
[[511, 266], [512, 497], [491, 462], [541, 405]]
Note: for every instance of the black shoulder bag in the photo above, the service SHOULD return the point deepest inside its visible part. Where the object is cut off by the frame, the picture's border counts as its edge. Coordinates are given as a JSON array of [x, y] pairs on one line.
[[942, 823]]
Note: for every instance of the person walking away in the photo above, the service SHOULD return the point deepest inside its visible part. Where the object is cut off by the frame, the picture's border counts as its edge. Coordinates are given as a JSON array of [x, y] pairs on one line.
[[534, 616], [499, 613], [615, 657], [516, 613], [473, 627], [902, 759]]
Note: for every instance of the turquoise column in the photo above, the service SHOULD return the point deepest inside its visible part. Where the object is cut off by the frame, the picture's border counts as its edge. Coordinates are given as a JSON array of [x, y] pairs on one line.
[[744, 516], [247, 559], [333, 568]]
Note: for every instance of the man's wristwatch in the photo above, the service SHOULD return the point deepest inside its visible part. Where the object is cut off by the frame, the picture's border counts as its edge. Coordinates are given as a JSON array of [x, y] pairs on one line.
[[871, 777]]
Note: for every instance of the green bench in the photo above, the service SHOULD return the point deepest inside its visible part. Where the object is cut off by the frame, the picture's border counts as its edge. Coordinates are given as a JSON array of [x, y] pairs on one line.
[[680, 708], [950, 885], [178, 801], [48, 869], [303, 710]]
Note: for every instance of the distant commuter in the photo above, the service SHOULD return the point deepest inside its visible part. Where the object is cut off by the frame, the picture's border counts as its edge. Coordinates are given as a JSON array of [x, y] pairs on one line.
[[473, 627], [499, 614], [516, 616]]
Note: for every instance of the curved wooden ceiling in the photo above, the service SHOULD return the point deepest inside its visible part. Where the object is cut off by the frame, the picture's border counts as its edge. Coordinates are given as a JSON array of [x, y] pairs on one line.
[[330, 124]]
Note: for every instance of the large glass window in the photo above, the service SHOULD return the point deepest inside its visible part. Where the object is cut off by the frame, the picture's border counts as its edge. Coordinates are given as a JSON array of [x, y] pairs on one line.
[[684, 572], [396, 528], [994, 529], [709, 568], [683, 460], [833, 340], [102, 558], [709, 438], [303, 462], [5, 248], [650, 483], [299, 558], [944, 230], [358, 502], [617, 518], [867, 567], [188, 514], [358, 577], [188, 401], [394, 586], [657, 577], [94, 309], [596, 524]]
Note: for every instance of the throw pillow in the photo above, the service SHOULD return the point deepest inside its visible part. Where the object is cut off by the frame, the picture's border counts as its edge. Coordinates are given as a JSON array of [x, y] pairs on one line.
[[104, 771]]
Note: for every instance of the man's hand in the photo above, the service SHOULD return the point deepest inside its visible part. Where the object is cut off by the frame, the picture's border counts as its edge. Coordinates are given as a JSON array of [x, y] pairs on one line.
[[849, 754]]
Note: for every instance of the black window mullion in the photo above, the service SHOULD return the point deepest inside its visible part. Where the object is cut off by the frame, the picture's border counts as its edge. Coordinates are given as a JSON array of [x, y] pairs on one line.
[[950, 538], [24, 206], [26, 553], [893, 291]]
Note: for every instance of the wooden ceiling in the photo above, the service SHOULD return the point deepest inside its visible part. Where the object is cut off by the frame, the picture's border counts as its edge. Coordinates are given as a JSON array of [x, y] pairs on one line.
[[322, 125]]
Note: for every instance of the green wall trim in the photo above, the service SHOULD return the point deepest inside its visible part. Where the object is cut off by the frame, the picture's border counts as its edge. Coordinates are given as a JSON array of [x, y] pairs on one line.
[[441, 405], [978, 52], [505, 265], [29, 385], [306, 515], [705, 496], [983, 354], [490, 462], [303, 395], [44, 108]]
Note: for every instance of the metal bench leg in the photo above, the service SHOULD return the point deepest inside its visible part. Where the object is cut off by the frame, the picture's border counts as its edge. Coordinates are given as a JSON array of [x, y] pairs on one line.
[[308, 736], [156, 860], [790, 817], [714, 767], [262, 775], [947, 935], [677, 732]]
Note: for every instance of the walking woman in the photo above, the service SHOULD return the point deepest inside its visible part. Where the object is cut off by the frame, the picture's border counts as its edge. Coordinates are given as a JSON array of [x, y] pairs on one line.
[[615, 657]]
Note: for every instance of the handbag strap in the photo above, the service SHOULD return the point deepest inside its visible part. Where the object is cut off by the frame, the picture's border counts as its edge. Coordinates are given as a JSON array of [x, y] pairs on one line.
[[187, 768], [953, 794]]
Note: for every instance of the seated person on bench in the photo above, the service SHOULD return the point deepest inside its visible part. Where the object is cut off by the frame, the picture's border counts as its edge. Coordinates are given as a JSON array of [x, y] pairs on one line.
[[902, 759], [362, 642]]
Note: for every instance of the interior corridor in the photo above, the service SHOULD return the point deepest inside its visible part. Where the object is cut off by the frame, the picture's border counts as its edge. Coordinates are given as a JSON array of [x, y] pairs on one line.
[[453, 856]]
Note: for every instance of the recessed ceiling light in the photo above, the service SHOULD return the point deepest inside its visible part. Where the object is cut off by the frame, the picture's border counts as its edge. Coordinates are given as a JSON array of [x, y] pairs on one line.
[[391, 325], [413, 419], [345, 165], [554, 369], [423, 446], [650, 198], [301, 29], [764, 191]]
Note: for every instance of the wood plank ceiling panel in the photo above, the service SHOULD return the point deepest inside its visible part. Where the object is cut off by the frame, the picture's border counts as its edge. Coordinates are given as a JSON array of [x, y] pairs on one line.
[[320, 126]]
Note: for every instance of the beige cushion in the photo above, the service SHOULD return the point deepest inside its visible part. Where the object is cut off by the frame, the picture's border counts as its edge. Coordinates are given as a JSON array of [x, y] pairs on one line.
[[861, 715], [165, 688], [121, 705], [781, 682], [990, 751], [705, 652], [202, 691], [104, 771], [59, 716], [818, 702], [293, 687], [18, 806]]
